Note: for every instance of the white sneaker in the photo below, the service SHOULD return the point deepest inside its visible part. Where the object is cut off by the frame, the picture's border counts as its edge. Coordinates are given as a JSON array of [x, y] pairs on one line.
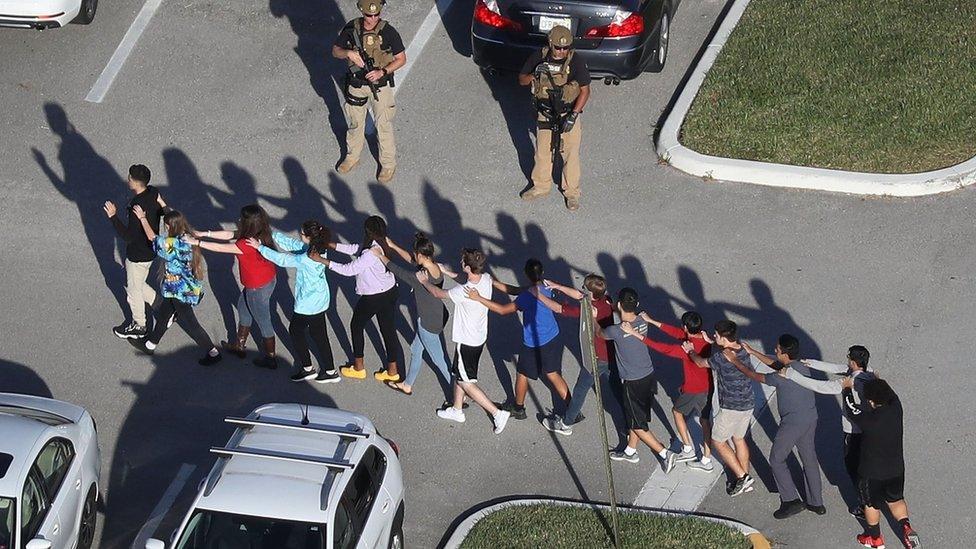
[[556, 425], [452, 414], [698, 465], [501, 419]]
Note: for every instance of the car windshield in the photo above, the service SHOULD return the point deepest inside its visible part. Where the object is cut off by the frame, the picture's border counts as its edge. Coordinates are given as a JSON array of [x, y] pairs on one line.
[[7, 516], [207, 529]]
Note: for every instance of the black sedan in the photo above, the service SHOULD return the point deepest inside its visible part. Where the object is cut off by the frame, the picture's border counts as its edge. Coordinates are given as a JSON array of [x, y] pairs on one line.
[[618, 39]]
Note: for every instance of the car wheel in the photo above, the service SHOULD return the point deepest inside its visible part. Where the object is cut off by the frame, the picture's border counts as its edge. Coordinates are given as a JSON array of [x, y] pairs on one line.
[[87, 13], [89, 516], [396, 537], [663, 38]]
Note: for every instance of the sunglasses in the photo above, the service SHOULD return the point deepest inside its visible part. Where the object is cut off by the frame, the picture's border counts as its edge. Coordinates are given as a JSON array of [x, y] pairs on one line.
[[560, 48], [368, 15]]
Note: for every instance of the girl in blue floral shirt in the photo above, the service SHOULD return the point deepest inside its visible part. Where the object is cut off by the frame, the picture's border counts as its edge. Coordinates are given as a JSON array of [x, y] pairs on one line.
[[181, 286]]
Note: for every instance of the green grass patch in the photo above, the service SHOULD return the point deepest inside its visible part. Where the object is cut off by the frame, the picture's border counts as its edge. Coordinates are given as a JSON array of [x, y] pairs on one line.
[[881, 86], [564, 527]]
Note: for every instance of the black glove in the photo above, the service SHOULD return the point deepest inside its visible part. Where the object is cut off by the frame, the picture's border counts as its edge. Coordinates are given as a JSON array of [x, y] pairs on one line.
[[570, 122]]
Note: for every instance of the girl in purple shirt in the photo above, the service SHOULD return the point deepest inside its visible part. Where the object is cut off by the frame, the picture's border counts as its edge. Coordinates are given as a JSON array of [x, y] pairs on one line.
[[377, 290]]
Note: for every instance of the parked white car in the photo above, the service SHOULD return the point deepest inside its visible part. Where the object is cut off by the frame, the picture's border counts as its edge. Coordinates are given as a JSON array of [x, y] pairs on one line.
[[298, 477], [46, 14], [49, 469]]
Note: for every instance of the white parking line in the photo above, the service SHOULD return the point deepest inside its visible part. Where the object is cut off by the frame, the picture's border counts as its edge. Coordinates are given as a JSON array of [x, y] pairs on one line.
[[420, 39], [163, 506], [122, 52]]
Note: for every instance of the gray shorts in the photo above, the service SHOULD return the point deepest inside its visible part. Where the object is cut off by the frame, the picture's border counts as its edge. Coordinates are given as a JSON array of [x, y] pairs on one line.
[[687, 404], [731, 424]]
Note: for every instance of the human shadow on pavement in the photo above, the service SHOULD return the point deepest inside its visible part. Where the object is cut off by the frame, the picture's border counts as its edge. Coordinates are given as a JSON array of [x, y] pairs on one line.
[[20, 379], [305, 202], [88, 180], [177, 415], [316, 23]]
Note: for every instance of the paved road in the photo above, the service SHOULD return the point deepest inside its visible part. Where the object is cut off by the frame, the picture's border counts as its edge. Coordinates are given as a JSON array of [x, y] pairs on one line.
[[232, 103]]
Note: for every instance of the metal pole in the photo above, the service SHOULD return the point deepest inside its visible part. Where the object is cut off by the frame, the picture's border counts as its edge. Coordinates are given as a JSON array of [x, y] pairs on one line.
[[588, 349]]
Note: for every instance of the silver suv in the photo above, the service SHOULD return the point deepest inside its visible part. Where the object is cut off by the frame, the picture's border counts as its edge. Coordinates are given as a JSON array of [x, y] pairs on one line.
[[298, 477]]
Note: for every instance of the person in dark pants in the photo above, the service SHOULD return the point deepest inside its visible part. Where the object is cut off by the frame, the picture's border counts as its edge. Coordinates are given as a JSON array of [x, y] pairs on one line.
[[139, 253], [797, 427], [182, 285], [857, 369], [882, 465], [312, 296], [377, 289]]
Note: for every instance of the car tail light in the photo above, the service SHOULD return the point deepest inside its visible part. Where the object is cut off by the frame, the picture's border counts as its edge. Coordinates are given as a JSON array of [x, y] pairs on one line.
[[624, 23], [488, 13], [394, 445]]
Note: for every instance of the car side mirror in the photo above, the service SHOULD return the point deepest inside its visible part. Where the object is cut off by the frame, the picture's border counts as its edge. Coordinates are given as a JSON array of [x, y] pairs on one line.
[[152, 543], [38, 543]]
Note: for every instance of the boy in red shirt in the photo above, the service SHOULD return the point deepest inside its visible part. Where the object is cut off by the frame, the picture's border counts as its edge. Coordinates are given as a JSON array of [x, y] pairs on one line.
[[696, 390]]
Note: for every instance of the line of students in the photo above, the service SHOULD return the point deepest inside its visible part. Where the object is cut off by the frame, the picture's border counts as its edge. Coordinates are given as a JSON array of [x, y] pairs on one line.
[[873, 414]]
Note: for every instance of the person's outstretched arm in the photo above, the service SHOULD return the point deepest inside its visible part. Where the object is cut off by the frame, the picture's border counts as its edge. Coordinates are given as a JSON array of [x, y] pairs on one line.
[[828, 367], [405, 255], [222, 247], [141, 216], [498, 308], [767, 360], [565, 290], [749, 372], [699, 361], [824, 387]]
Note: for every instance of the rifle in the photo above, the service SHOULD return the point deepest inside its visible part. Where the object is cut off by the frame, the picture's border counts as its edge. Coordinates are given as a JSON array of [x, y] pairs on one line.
[[555, 117], [368, 61]]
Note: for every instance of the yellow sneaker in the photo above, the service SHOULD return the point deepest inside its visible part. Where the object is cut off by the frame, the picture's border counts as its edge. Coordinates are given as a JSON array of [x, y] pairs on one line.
[[349, 371], [383, 376]]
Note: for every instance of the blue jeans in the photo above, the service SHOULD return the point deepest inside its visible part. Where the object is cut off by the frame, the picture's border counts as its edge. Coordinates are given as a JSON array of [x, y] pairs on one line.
[[583, 385], [254, 305], [432, 343]]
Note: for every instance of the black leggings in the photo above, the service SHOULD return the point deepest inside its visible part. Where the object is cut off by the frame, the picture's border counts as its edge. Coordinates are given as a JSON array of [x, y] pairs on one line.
[[383, 307], [315, 324], [184, 317], [852, 455]]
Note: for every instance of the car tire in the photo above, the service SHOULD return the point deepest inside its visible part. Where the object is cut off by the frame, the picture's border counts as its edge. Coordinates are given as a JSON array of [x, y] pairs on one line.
[[660, 56], [396, 536], [87, 13], [89, 518]]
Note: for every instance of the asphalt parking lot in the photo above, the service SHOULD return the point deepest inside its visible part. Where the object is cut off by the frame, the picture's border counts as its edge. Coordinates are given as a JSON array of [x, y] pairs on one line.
[[232, 103]]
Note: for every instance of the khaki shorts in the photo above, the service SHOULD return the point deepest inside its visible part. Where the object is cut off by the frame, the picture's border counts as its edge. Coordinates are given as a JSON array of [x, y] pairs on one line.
[[731, 424]]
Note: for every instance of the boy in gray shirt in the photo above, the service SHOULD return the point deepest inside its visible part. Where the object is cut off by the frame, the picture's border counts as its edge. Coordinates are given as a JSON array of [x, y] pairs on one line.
[[637, 374]]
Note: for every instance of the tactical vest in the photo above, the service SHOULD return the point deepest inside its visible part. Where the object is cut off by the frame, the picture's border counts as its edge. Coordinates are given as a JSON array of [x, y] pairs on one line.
[[372, 43], [557, 76]]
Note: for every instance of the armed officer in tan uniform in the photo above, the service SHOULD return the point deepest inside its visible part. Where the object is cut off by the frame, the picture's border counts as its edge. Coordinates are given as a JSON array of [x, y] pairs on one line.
[[374, 51], [560, 88]]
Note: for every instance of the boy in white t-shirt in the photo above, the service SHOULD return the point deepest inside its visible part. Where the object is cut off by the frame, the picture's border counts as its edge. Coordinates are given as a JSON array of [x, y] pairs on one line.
[[469, 331]]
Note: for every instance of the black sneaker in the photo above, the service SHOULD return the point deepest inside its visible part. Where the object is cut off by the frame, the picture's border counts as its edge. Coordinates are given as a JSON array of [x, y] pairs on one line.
[[518, 412], [140, 345], [818, 509], [129, 330], [856, 512], [304, 374], [210, 360], [788, 508], [741, 486], [328, 376], [447, 404]]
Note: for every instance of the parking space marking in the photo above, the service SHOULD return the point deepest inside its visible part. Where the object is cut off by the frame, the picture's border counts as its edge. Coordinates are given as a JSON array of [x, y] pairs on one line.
[[163, 506], [111, 70], [423, 35]]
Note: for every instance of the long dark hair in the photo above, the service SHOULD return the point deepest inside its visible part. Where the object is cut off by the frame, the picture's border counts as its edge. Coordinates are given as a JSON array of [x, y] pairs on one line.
[[374, 230], [318, 235], [254, 223], [176, 227]]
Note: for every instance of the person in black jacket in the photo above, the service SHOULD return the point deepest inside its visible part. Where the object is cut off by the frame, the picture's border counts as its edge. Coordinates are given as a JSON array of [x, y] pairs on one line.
[[139, 253], [881, 470]]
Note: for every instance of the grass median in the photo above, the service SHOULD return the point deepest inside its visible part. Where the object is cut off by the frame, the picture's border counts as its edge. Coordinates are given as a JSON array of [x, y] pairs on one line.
[[566, 527], [886, 86]]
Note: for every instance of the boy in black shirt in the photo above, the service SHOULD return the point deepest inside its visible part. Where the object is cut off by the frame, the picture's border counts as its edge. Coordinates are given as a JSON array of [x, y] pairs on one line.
[[139, 253], [882, 465]]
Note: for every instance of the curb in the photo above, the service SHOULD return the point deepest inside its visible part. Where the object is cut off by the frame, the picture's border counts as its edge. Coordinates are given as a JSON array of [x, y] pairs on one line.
[[670, 149], [464, 525]]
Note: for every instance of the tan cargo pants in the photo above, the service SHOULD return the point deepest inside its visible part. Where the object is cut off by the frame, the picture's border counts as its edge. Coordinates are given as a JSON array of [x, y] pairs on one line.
[[383, 112], [138, 292], [570, 152]]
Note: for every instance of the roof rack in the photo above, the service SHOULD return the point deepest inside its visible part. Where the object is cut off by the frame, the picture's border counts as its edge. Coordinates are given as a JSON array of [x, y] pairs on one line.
[[331, 463], [342, 431]]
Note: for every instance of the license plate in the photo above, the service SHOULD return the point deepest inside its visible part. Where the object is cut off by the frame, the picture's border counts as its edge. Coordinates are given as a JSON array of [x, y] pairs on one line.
[[547, 23]]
